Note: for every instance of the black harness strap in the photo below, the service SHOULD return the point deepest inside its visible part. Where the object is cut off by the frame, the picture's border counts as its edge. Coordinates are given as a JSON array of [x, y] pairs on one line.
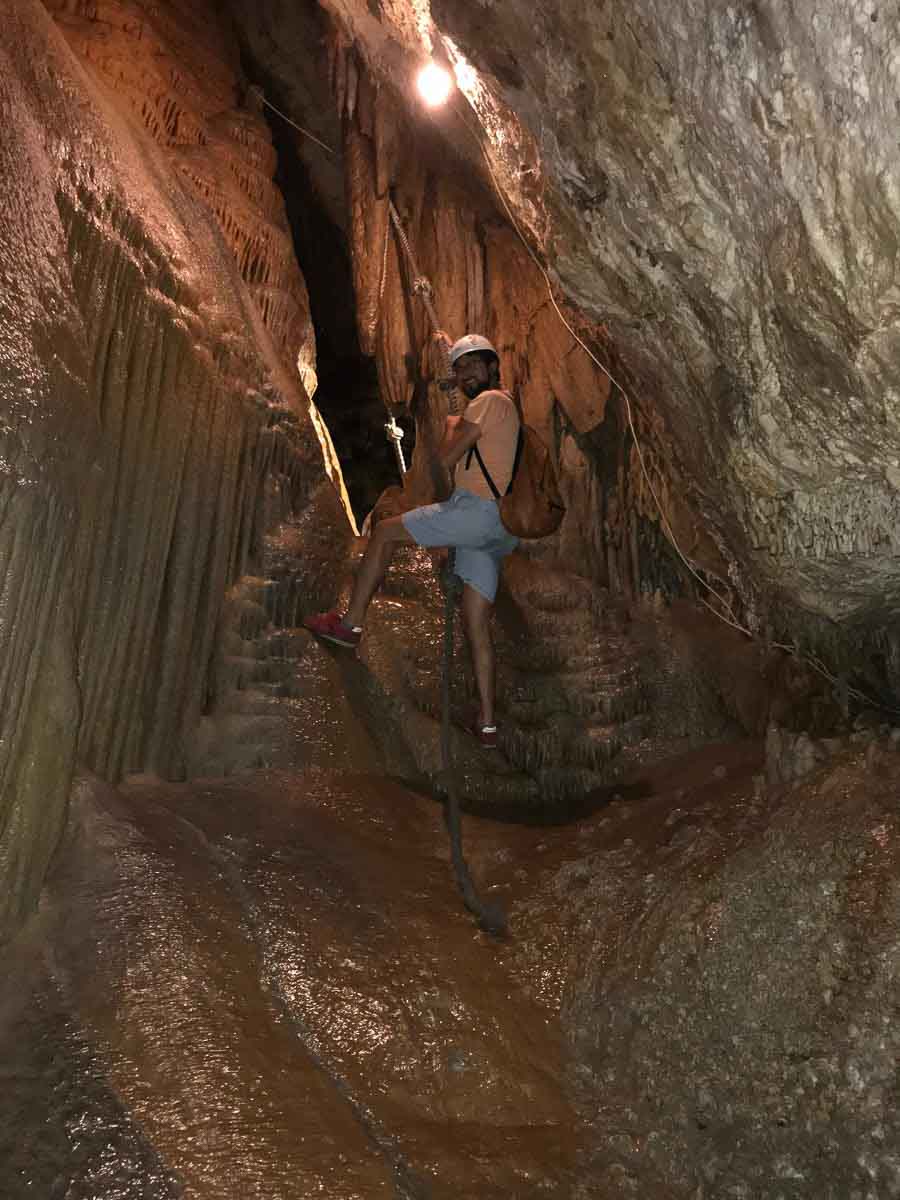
[[474, 450]]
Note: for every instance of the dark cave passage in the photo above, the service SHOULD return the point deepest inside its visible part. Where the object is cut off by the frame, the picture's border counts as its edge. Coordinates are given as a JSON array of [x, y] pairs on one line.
[[348, 396]]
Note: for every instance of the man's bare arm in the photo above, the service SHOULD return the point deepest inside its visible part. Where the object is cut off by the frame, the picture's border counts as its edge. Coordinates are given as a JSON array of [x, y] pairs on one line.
[[459, 437]]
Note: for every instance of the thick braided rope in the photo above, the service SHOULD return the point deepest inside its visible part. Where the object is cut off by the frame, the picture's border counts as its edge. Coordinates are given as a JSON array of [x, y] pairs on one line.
[[489, 916]]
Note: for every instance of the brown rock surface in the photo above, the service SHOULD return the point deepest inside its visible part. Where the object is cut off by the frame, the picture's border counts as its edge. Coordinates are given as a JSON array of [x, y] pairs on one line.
[[265, 983], [720, 194], [723, 193], [176, 70], [268, 983], [134, 435], [241, 1015], [725, 962]]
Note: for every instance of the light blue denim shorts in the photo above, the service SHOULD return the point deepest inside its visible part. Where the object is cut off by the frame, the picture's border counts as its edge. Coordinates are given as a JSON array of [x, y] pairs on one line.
[[473, 526]]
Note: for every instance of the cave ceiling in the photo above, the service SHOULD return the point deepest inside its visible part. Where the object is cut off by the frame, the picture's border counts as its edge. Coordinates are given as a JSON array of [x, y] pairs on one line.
[[718, 186]]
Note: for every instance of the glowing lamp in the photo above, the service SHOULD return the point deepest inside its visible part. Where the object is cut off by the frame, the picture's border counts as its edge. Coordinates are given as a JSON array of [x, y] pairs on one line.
[[434, 84]]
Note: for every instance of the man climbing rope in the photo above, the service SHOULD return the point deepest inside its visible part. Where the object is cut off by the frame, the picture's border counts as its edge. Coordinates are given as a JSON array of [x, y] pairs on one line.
[[485, 435]]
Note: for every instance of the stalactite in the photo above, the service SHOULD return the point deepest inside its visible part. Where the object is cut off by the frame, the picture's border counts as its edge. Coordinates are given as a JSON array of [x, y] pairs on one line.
[[226, 153], [368, 229]]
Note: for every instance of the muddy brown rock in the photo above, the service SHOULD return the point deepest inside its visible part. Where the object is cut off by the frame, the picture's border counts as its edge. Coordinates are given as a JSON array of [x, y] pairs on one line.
[[133, 341], [682, 179], [715, 196], [303, 1047], [730, 995]]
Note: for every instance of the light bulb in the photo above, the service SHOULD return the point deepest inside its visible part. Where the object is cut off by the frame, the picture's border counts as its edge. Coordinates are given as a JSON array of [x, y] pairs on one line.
[[434, 84]]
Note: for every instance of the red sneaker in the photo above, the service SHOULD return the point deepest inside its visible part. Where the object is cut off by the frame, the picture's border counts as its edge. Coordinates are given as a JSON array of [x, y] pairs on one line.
[[330, 627]]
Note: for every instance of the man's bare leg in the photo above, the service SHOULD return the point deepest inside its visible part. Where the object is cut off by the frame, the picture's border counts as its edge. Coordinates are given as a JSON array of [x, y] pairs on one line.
[[476, 612], [387, 535]]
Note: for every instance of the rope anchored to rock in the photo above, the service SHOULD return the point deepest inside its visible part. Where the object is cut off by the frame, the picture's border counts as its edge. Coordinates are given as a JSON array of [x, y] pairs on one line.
[[391, 428], [489, 916]]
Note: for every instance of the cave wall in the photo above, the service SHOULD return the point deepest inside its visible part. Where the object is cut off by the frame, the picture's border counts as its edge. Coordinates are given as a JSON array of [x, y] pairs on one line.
[[724, 191], [718, 192], [485, 279], [355, 95], [151, 413]]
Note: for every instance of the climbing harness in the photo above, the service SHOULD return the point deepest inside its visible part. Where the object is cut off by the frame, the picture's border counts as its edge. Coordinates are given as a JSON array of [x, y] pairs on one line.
[[489, 916]]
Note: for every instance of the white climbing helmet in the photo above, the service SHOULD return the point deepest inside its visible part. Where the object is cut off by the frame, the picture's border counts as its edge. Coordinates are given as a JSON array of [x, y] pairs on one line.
[[469, 344]]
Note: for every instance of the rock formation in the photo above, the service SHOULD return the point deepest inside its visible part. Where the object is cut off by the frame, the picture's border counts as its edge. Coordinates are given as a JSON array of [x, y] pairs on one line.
[[720, 194], [679, 227], [144, 368]]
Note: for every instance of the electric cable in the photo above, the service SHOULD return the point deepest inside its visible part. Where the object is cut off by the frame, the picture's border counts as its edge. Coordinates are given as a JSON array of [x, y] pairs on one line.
[[728, 617], [299, 128]]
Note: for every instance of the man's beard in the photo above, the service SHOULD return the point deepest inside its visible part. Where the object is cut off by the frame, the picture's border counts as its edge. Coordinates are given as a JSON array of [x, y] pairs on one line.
[[471, 390]]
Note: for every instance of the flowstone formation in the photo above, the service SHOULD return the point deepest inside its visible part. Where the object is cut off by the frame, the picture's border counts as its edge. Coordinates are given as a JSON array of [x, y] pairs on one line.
[[267, 983], [177, 72], [250, 972], [153, 421]]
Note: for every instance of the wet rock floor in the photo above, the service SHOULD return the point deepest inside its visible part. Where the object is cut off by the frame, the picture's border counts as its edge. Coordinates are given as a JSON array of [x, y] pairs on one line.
[[266, 986]]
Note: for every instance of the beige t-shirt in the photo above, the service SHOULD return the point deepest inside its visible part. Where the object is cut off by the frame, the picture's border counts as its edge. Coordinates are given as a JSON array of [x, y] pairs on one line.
[[495, 412]]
